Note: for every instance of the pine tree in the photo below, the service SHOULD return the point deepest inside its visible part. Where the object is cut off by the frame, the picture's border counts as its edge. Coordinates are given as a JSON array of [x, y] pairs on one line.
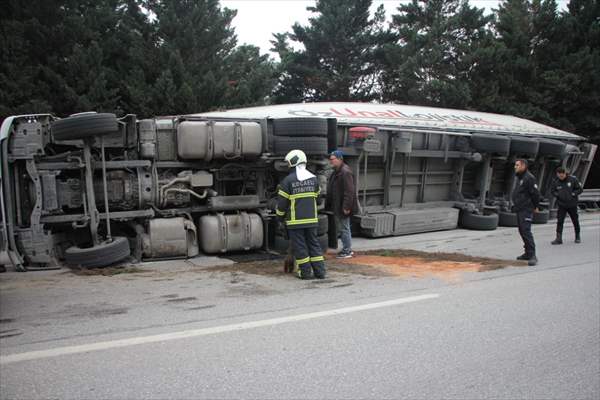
[[195, 38], [437, 46], [251, 77], [521, 31], [338, 62]]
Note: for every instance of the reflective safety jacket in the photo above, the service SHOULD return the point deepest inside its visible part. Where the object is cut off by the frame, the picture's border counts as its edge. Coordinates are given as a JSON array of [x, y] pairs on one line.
[[297, 202]]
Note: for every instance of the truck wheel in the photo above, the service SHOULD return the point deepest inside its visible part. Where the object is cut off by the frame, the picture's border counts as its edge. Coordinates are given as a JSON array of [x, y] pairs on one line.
[[309, 145], [491, 144], [102, 255], [323, 224], [300, 127], [552, 148], [541, 217], [85, 125], [520, 145], [478, 222], [507, 219]]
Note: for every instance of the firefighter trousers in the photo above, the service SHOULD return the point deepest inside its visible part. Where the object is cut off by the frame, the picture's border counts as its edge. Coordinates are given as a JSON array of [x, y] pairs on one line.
[[307, 252]]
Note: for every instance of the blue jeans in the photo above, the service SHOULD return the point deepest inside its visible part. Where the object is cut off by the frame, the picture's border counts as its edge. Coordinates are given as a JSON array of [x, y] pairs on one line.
[[343, 228]]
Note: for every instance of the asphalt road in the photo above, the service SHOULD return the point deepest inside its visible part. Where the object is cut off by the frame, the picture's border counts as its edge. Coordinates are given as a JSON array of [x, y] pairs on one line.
[[179, 330]]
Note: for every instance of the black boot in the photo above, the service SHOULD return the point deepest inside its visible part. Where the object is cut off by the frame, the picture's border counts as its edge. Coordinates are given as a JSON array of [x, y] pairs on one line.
[[558, 239], [577, 238], [523, 257], [532, 261]]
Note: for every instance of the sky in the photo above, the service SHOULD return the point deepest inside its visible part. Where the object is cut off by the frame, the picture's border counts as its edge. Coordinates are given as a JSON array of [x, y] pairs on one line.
[[257, 20]]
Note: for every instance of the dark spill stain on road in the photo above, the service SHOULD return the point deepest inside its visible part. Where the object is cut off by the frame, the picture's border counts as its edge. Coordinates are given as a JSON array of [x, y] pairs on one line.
[[201, 307], [108, 312], [182, 299], [105, 271], [389, 263], [10, 333]]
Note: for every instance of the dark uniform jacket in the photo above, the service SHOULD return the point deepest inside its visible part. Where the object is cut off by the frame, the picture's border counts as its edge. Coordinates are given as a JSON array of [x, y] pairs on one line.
[[341, 192], [525, 195], [297, 202], [567, 191]]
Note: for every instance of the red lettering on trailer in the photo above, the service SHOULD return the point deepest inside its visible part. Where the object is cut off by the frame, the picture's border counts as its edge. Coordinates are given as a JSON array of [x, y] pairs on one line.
[[349, 113]]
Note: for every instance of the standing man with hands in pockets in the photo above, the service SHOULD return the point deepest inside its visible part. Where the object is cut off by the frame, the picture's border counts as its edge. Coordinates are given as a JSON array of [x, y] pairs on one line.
[[341, 200], [566, 189], [526, 201]]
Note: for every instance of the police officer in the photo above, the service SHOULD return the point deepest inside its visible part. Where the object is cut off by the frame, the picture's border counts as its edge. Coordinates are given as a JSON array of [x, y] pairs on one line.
[[566, 189], [297, 206], [526, 200]]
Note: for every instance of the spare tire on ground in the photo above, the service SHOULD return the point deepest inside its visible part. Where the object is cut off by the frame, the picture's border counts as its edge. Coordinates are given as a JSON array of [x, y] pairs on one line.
[[82, 126], [101, 255], [300, 127], [507, 219], [552, 148], [541, 217], [309, 145], [524, 146], [478, 222], [491, 144]]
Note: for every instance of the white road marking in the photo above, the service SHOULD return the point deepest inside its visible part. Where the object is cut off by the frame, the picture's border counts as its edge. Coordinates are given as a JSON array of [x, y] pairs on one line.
[[112, 344]]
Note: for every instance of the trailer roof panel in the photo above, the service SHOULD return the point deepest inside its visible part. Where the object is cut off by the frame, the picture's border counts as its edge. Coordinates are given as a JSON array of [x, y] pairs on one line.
[[414, 117]]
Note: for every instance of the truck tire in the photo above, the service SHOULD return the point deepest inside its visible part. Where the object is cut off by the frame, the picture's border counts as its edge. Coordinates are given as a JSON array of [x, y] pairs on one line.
[[323, 224], [300, 127], [84, 126], [491, 144], [102, 255], [478, 222], [507, 219], [552, 148], [525, 146], [309, 145], [541, 217]]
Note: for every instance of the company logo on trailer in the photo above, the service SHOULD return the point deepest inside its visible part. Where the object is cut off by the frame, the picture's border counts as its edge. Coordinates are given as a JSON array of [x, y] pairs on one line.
[[392, 114]]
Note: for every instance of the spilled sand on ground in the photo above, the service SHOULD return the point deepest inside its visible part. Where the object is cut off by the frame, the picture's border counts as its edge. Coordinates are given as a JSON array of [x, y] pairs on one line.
[[389, 263]]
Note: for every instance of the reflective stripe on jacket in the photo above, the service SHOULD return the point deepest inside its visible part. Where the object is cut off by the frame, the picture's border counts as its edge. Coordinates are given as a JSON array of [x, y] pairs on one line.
[[297, 202]]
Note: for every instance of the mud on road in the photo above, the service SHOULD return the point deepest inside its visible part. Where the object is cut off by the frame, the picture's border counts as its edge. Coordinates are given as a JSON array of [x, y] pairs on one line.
[[390, 263], [400, 264]]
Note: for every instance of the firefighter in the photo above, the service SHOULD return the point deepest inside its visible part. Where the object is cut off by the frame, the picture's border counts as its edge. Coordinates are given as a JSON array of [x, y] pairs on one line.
[[526, 201], [297, 209], [566, 189]]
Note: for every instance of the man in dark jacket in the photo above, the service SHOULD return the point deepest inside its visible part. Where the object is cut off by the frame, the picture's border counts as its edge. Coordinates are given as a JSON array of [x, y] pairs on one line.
[[297, 207], [341, 200], [526, 200], [566, 189]]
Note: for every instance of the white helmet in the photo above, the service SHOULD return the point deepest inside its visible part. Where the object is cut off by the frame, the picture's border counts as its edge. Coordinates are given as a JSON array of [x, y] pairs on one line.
[[295, 157]]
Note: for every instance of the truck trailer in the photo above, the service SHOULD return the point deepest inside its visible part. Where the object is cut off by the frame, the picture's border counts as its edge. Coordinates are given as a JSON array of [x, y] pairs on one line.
[[91, 189]]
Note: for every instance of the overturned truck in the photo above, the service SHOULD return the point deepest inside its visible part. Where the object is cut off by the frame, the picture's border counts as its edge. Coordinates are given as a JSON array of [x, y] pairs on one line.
[[92, 189]]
